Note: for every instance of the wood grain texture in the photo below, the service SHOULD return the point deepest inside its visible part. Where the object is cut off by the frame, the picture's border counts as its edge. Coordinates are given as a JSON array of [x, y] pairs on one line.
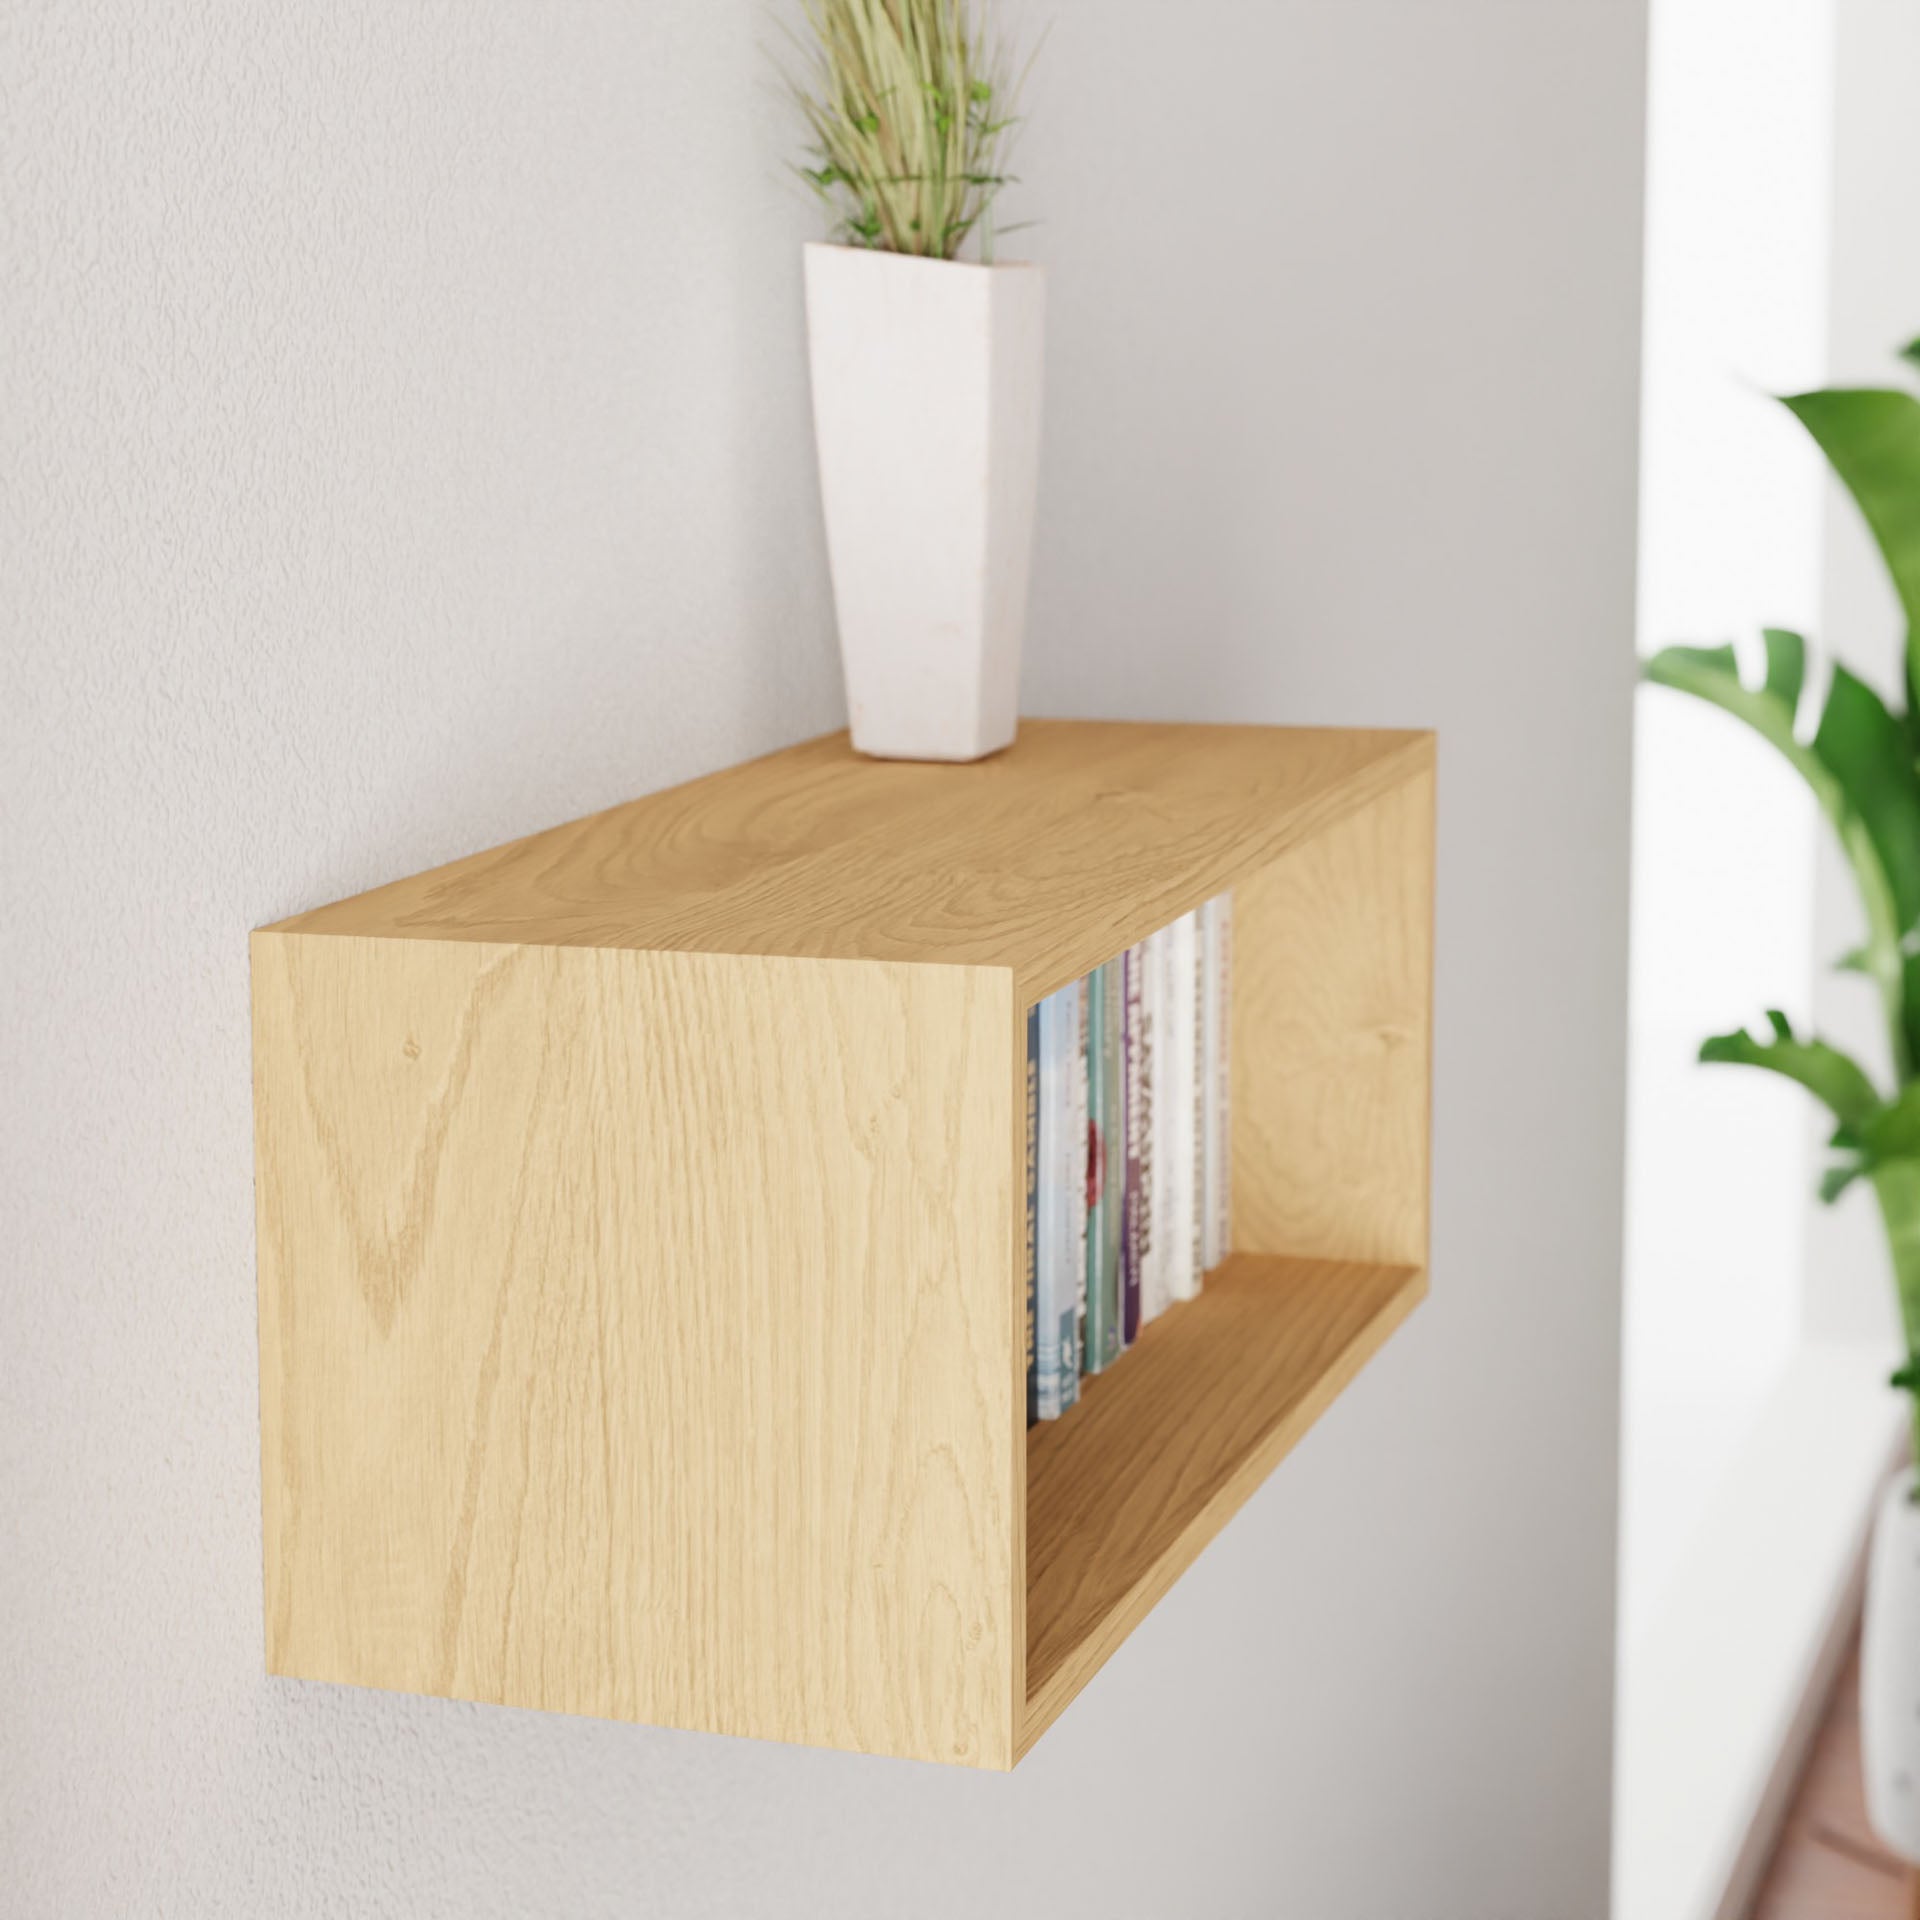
[[1333, 1038], [634, 1335], [642, 1291], [1166, 1446], [1047, 859]]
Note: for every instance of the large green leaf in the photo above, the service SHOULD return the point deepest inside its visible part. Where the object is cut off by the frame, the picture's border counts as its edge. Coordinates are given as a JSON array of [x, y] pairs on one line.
[[1713, 674], [1891, 1132], [1860, 770], [1865, 748], [1831, 1076], [1871, 437], [1875, 1140]]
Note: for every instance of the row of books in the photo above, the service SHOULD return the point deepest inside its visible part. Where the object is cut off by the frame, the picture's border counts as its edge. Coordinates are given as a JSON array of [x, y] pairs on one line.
[[1127, 1149]]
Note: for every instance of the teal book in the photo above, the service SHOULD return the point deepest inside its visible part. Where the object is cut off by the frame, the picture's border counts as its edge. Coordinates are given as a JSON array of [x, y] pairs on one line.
[[1033, 1207], [1106, 1331], [1059, 1207]]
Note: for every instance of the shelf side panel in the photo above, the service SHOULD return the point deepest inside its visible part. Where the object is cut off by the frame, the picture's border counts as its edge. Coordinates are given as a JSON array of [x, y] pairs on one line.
[[1333, 1037], [635, 1334]]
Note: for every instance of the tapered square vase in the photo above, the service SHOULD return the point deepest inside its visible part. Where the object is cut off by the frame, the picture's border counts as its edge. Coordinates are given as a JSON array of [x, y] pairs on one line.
[[926, 405]]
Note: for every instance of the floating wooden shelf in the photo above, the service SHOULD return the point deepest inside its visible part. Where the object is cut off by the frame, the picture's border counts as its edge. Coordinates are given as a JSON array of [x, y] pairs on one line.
[[642, 1299]]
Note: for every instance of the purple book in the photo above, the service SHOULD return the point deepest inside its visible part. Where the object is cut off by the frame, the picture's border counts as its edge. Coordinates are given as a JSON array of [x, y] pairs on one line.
[[1133, 1095]]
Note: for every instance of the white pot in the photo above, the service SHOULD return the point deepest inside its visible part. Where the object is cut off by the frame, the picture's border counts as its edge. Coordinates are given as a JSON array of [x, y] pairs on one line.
[[926, 412], [1890, 1672]]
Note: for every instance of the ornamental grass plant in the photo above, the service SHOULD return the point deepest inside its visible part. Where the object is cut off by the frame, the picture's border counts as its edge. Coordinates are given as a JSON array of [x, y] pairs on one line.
[[909, 105]]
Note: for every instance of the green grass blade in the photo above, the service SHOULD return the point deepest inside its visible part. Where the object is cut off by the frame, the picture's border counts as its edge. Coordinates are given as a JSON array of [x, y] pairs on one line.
[[895, 98]]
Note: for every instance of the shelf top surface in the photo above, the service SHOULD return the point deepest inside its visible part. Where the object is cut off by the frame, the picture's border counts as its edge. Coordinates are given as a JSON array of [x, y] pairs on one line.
[[1078, 840]]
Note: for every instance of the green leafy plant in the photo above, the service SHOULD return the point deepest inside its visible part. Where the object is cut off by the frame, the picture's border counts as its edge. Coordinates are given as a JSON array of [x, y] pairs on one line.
[[910, 107], [1861, 757]]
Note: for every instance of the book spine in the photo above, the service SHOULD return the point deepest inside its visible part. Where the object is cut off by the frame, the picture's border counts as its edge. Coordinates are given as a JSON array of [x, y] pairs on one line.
[[1198, 1251], [1220, 1139], [1055, 1294], [1157, 1185], [1177, 1084], [1046, 1356], [1135, 1157], [1033, 1209], [1112, 1152], [1077, 1188], [1209, 1080], [1103, 1330], [1226, 1076]]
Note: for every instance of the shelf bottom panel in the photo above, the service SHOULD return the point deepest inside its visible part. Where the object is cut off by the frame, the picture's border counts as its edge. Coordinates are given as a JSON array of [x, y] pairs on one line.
[[1163, 1448]]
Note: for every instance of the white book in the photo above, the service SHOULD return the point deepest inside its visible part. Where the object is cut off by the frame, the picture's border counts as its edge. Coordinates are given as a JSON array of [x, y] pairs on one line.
[[1209, 1080], [1155, 1291], [1200, 1091], [1180, 1082], [1217, 926]]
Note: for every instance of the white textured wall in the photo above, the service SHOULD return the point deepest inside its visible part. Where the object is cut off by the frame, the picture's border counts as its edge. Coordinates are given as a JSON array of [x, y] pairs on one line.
[[405, 445], [1875, 310], [1719, 1164]]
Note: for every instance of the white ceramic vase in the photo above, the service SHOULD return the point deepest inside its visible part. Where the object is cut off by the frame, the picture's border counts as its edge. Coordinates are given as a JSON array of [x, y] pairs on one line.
[[926, 411], [1890, 1672]]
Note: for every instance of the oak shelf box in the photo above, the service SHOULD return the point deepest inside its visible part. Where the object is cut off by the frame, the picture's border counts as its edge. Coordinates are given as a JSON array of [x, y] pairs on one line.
[[641, 1222]]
